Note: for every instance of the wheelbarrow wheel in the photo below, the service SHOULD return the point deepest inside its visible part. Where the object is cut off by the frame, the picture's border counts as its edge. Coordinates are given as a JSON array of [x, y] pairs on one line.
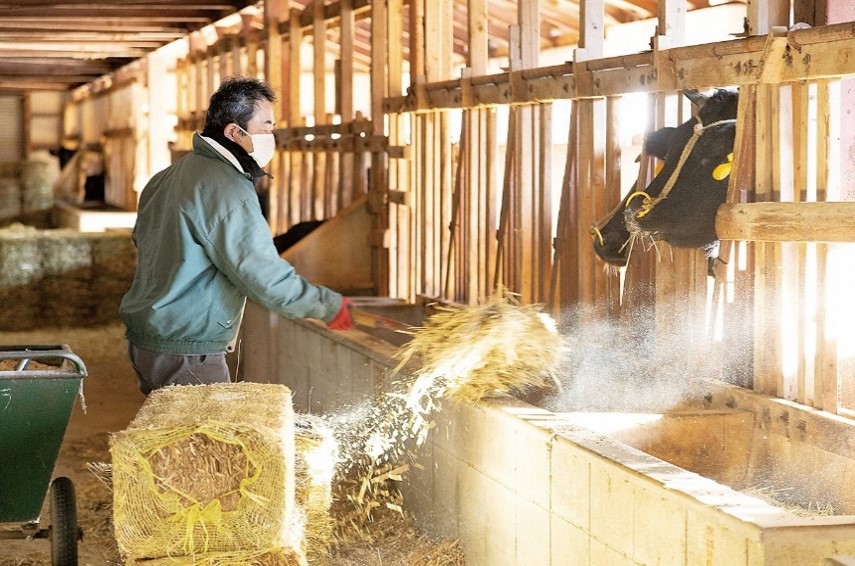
[[63, 529]]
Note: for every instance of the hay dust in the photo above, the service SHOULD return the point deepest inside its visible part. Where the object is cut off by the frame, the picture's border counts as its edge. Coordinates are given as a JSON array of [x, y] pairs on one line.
[[462, 355]]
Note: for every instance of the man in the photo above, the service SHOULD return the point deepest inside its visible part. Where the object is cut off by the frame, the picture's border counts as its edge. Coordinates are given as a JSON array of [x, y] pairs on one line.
[[204, 248]]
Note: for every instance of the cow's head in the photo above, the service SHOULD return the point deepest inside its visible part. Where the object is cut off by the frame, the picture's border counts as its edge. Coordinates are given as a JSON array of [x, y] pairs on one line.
[[680, 203]]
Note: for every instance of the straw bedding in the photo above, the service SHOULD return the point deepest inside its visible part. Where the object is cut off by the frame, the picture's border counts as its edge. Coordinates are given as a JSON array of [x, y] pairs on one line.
[[207, 472], [315, 456]]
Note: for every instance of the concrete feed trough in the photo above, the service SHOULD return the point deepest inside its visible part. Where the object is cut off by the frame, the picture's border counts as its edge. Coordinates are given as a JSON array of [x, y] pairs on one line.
[[733, 478]]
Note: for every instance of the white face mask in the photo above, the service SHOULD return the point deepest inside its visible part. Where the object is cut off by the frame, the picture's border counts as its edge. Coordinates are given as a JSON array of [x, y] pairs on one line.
[[263, 147]]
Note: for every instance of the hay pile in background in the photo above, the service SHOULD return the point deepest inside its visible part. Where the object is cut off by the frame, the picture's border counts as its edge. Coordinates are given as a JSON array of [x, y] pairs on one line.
[[25, 186], [10, 197], [205, 475], [62, 277], [36, 181]]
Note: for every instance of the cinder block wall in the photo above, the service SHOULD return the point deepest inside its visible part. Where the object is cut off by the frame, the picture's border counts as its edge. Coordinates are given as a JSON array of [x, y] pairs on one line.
[[521, 486]]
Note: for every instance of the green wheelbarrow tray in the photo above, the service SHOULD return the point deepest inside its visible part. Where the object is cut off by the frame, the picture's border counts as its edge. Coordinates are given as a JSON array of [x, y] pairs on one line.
[[35, 406]]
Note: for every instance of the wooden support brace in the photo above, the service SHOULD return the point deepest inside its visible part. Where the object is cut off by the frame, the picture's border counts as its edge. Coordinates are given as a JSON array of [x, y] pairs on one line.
[[787, 221]]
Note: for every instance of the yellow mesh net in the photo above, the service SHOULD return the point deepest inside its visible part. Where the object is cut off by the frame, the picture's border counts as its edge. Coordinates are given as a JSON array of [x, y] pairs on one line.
[[245, 558], [207, 470]]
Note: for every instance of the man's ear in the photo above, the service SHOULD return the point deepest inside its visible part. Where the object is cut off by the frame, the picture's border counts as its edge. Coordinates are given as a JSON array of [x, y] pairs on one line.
[[232, 131]]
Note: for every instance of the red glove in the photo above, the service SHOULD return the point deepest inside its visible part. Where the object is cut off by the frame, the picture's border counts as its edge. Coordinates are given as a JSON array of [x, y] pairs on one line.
[[342, 320]]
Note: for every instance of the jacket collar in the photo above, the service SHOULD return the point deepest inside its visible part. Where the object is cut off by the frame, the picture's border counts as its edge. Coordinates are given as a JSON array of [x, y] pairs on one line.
[[234, 154]]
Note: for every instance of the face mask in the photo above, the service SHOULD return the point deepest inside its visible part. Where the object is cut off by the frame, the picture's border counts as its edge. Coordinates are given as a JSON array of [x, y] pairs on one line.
[[263, 147]]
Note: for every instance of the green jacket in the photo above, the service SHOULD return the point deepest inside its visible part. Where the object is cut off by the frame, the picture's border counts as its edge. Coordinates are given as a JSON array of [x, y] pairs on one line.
[[203, 246]]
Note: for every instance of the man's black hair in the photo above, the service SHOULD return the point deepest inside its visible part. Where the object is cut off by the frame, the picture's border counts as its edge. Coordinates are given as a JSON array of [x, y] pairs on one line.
[[235, 101]]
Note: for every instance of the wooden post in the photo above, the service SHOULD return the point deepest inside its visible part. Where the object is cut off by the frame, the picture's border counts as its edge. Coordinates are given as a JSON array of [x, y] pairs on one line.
[[608, 284], [765, 14], [564, 283], [295, 44], [198, 101], [321, 207], [248, 37], [274, 11], [500, 276], [737, 314], [826, 385], [379, 185], [398, 212], [344, 100]]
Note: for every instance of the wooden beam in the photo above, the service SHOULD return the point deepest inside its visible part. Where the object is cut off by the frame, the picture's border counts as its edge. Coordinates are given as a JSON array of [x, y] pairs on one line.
[[787, 221], [763, 15]]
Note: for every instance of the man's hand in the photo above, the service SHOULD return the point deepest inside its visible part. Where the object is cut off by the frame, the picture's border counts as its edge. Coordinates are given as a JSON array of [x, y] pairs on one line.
[[342, 320]]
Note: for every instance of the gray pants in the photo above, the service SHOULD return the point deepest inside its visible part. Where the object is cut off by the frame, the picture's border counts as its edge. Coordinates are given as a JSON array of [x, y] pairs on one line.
[[155, 369]]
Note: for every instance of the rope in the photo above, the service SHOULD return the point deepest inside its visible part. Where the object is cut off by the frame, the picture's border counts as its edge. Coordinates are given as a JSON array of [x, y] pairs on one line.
[[700, 128]]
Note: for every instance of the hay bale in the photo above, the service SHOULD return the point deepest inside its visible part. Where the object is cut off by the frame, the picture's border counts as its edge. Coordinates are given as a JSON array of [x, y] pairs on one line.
[[36, 185], [207, 469], [114, 253], [66, 252], [10, 197], [19, 256], [66, 301], [9, 168]]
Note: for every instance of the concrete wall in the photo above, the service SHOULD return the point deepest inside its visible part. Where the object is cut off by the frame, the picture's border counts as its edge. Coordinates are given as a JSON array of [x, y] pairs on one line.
[[522, 486]]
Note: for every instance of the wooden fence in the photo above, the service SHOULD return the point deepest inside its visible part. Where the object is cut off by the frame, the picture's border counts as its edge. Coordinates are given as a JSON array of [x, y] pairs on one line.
[[470, 190]]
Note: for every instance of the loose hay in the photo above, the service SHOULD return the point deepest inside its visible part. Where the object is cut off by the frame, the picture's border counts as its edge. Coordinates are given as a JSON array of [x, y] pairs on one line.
[[464, 355], [315, 456], [207, 469], [237, 558], [500, 346], [397, 543], [789, 500]]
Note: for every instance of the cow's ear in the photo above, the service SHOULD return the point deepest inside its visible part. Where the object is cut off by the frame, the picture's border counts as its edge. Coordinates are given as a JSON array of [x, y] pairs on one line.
[[656, 143], [697, 98]]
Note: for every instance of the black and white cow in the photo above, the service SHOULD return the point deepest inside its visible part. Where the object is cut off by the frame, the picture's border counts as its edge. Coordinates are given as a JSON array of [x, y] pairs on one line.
[[294, 234], [680, 203]]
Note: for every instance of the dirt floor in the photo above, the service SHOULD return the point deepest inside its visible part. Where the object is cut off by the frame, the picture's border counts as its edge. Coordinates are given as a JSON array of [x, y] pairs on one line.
[[112, 399]]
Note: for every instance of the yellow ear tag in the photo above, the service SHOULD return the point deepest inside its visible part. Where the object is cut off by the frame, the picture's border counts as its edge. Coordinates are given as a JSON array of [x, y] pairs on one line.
[[659, 166], [723, 170]]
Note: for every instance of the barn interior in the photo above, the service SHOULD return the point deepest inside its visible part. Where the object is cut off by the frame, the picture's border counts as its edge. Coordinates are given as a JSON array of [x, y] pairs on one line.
[[703, 411]]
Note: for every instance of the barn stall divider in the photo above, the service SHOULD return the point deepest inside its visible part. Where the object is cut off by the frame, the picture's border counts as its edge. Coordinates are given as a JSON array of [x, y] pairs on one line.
[[495, 177], [734, 470]]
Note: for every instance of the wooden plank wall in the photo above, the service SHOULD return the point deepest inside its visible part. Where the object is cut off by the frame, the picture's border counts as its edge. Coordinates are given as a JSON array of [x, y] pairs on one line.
[[459, 166]]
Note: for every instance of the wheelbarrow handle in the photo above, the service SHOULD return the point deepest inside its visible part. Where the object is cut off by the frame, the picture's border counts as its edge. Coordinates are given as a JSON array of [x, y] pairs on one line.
[[26, 354]]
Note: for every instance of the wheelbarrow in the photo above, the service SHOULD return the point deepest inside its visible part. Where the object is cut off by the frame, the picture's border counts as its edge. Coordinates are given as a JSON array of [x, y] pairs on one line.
[[37, 392]]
